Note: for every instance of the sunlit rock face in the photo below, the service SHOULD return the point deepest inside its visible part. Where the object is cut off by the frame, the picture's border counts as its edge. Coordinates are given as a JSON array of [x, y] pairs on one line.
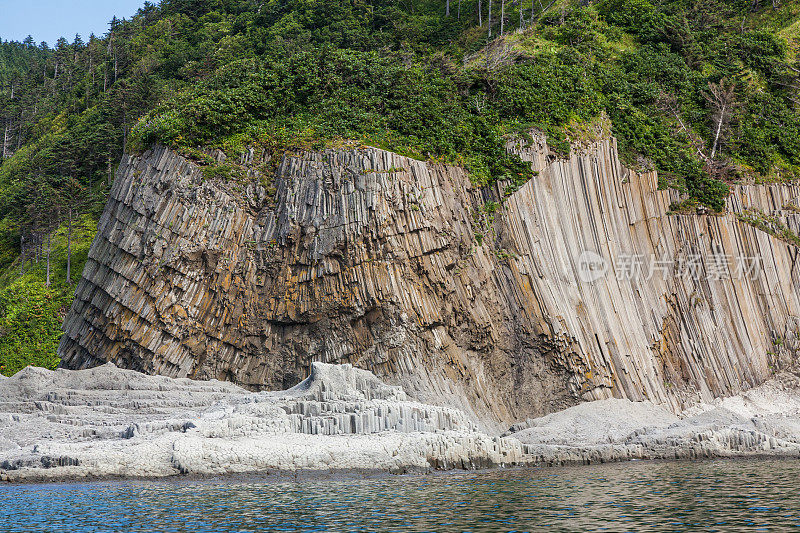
[[467, 297]]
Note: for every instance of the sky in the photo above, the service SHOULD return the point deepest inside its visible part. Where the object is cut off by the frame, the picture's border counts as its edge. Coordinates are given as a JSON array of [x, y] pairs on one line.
[[47, 20]]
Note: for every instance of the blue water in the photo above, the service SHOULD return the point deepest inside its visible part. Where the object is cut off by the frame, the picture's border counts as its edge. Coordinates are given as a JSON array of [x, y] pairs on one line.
[[753, 495]]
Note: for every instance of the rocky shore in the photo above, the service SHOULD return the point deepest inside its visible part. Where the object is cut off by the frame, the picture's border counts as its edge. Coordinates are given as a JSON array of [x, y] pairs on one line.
[[764, 421], [109, 422]]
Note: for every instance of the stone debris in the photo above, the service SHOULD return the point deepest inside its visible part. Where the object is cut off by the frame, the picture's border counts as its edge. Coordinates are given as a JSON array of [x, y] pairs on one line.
[[762, 421]]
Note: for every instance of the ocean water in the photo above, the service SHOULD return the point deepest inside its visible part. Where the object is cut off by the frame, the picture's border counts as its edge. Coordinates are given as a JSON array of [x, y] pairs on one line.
[[736, 495]]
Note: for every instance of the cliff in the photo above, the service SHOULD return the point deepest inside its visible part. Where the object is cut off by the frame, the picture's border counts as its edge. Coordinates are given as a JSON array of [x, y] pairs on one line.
[[474, 298]]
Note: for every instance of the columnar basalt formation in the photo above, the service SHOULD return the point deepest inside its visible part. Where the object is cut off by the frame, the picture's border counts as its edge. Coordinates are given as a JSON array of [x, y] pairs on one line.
[[473, 298], [719, 312]]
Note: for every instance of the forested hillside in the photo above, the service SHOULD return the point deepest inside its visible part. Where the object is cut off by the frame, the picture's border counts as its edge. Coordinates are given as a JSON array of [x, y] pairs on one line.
[[704, 91]]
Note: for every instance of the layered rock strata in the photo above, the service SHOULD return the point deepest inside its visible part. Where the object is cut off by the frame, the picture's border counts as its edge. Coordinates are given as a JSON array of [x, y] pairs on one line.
[[473, 298], [109, 422], [764, 421]]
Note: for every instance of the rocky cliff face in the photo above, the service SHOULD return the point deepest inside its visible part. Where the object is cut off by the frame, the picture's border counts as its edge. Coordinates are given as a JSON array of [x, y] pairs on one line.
[[507, 305]]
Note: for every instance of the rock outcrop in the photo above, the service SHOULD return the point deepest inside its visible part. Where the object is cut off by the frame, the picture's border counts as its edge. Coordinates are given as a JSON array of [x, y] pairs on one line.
[[764, 421], [110, 422], [474, 298]]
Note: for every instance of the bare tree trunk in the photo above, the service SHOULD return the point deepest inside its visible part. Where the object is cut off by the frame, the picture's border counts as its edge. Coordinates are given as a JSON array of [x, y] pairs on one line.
[[459, 9], [722, 98], [719, 130], [5, 141], [89, 88], [91, 69], [502, 16], [480, 14], [19, 129], [22, 254], [447, 8], [48, 259], [69, 247], [489, 19]]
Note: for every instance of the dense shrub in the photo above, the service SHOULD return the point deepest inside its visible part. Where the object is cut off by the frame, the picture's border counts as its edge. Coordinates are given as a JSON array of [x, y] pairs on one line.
[[30, 324], [332, 94]]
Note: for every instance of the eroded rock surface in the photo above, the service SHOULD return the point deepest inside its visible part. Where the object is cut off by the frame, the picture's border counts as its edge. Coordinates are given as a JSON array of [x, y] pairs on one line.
[[466, 297], [113, 422], [763, 421], [110, 422]]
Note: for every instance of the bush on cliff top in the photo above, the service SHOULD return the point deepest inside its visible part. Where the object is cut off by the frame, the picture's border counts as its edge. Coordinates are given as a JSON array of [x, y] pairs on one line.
[[333, 94], [652, 68]]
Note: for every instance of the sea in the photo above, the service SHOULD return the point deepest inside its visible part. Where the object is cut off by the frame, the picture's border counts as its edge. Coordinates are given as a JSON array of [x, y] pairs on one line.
[[713, 495]]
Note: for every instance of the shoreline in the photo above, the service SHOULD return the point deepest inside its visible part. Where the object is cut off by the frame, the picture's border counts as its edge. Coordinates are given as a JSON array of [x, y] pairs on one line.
[[312, 476]]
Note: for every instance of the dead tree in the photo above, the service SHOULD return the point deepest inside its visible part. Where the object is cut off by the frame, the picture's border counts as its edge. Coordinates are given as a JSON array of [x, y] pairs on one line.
[[722, 99], [489, 19], [74, 198], [670, 105]]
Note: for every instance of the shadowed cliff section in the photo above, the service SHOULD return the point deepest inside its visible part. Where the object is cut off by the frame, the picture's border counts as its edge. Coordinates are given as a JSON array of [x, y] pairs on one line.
[[404, 268]]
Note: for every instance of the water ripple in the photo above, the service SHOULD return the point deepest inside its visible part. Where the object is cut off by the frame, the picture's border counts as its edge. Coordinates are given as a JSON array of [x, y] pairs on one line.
[[711, 496]]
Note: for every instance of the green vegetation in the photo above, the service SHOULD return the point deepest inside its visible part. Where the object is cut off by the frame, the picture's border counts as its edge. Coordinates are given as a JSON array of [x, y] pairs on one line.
[[30, 311], [705, 91], [770, 224], [30, 324], [690, 89]]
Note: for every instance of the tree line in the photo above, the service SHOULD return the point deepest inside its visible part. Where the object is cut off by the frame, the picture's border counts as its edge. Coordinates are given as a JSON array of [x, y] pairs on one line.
[[703, 91]]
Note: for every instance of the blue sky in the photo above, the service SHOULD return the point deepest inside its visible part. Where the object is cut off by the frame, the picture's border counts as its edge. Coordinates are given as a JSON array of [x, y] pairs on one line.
[[47, 20]]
